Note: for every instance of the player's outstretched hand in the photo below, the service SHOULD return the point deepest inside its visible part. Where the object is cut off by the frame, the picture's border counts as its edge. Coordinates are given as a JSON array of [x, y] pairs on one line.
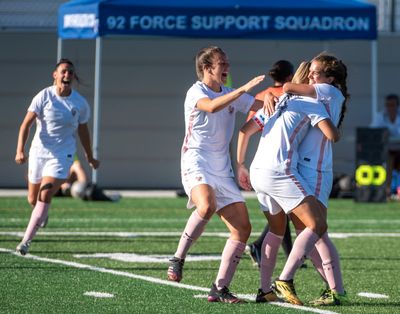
[[254, 82]]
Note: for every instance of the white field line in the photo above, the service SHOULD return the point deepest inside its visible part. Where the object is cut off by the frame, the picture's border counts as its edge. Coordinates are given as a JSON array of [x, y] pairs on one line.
[[373, 295], [97, 294], [336, 235], [150, 279], [183, 220]]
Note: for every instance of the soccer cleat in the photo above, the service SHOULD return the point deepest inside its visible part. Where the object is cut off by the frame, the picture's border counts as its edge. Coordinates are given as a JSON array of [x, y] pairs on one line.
[[322, 295], [255, 254], [43, 224], [286, 291], [175, 269], [330, 297], [23, 248], [263, 297], [222, 295]]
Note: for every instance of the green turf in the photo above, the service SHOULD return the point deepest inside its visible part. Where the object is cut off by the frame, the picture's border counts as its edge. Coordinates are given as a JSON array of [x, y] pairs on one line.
[[370, 264]]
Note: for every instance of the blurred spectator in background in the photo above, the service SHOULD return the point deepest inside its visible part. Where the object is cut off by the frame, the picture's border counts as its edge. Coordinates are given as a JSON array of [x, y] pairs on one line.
[[390, 118], [77, 181]]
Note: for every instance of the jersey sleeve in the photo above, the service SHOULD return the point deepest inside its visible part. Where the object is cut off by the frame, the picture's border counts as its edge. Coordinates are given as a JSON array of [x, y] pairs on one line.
[[260, 118], [37, 103], [194, 94], [324, 91], [84, 115], [316, 112], [244, 102]]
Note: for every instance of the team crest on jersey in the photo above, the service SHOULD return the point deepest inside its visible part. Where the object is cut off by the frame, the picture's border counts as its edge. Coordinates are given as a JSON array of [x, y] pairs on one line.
[[230, 109], [73, 111]]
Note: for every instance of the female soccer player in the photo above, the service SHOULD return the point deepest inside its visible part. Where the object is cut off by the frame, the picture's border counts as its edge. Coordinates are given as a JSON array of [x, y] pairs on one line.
[[207, 176], [327, 83], [59, 111], [326, 80]]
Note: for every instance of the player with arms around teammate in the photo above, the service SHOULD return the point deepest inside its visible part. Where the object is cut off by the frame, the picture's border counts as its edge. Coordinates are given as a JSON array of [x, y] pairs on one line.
[[59, 111], [207, 175], [327, 83], [280, 188]]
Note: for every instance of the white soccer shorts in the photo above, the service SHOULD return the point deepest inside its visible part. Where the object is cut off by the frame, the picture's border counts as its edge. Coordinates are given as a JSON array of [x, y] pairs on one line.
[[48, 167], [225, 188], [286, 190], [320, 182]]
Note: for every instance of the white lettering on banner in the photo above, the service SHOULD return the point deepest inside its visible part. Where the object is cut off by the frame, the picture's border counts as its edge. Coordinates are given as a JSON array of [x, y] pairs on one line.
[[116, 22], [240, 22], [79, 20], [168, 22], [324, 23], [224, 22]]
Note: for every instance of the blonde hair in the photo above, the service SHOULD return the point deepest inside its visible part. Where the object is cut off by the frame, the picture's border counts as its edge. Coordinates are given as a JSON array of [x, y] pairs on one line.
[[301, 74]]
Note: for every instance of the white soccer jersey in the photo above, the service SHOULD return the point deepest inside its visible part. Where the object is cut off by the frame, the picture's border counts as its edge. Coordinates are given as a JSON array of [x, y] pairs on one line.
[[207, 136], [57, 121], [315, 151], [283, 132]]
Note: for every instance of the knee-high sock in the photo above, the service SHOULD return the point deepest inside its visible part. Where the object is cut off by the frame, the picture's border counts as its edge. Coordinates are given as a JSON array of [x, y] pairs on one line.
[[39, 214], [302, 246], [229, 260], [269, 252], [330, 262], [193, 230], [259, 242], [316, 260]]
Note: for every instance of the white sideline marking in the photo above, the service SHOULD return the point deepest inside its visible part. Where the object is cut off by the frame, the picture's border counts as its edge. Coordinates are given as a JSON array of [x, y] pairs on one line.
[[113, 234], [335, 235], [98, 294], [373, 295], [149, 279], [183, 220], [136, 258]]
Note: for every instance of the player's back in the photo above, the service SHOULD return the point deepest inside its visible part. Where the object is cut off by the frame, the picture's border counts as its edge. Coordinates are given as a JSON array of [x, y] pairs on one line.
[[284, 131]]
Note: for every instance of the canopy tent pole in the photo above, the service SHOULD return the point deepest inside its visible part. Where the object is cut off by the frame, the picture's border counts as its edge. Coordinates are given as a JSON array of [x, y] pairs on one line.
[[96, 105], [59, 48], [374, 79]]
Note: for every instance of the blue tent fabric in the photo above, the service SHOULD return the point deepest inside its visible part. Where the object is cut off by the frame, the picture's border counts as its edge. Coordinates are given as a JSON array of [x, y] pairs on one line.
[[257, 19]]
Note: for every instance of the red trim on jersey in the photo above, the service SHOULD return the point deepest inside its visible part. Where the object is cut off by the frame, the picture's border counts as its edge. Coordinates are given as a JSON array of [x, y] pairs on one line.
[[189, 132], [292, 138], [297, 183], [319, 166]]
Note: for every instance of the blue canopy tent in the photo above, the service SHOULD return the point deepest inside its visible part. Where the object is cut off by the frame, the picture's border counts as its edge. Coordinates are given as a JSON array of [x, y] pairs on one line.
[[252, 19]]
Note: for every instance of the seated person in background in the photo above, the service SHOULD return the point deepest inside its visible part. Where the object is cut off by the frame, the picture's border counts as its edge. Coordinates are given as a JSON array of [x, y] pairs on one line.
[[76, 174], [390, 119]]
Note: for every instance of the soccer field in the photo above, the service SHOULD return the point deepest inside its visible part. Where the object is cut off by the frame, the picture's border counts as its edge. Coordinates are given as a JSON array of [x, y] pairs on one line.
[[102, 257]]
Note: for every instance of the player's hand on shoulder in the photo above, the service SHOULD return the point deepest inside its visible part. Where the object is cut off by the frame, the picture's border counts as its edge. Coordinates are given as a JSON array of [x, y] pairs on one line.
[[269, 103]]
